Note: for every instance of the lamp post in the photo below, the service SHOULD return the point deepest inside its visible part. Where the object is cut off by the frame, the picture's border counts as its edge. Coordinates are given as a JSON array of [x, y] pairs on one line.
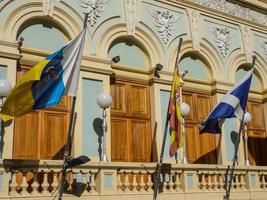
[[5, 88], [247, 118], [185, 109], [104, 100]]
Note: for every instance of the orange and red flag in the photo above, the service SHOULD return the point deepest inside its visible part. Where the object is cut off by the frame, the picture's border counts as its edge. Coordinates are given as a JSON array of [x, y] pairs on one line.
[[174, 112]]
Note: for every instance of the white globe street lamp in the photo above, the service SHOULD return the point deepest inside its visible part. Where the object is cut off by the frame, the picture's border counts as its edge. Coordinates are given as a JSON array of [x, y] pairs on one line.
[[247, 119], [104, 100], [185, 109]]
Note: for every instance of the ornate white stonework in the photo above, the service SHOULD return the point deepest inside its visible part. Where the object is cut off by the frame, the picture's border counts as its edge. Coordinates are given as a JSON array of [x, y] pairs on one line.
[[164, 21], [222, 39], [48, 7], [234, 9], [194, 17], [263, 46], [93, 8], [130, 10], [246, 33]]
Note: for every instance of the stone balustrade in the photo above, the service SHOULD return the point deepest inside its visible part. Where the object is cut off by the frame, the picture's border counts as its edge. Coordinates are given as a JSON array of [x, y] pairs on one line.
[[112, 180]]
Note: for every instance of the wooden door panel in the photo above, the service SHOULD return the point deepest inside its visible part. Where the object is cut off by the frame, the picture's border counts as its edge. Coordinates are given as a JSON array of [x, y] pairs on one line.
[[208, 148], [139, 100], [118, 93], [119, 140], [189, 99], [55, 127], [26, 136], [140, 141], [257, 120], [192, 143], [203, 105]]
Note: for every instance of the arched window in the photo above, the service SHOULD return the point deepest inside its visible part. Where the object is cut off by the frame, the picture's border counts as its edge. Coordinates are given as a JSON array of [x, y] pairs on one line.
[[201, 148], [257, 136], [130, 110], [46, 137], [43, 36]]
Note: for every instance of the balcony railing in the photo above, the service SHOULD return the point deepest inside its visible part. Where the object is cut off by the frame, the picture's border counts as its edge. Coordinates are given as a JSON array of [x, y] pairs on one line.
[[113, 180]]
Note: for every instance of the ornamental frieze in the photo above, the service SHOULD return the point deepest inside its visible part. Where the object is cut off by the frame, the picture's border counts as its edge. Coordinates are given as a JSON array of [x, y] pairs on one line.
[[234, 9]]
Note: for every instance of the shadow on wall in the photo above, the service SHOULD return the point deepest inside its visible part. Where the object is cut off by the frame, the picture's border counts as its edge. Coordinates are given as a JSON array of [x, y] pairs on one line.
[[97, 124]]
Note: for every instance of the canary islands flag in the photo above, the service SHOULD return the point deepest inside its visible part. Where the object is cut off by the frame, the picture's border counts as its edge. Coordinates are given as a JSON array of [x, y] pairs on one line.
[[174, 113], [47, 81]]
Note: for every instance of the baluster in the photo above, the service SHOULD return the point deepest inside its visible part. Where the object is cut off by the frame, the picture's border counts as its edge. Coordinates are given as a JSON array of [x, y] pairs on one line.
[[209, 183], [165, 184], [171, 182], [45, 184], [142, 182], [35, 184], [55, 182], [203, 182], [215, 181], [119, 183], [93, 182], [13, 185], [242, 182], [263, 181], [84, 182], [177, 182], [24, 184], [220, 182], [126, 182], [134, 183], [149, 181], [237, 183]]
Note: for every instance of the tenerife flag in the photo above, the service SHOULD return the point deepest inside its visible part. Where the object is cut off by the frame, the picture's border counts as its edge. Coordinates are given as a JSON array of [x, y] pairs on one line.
[[233, 104], [47, 81]]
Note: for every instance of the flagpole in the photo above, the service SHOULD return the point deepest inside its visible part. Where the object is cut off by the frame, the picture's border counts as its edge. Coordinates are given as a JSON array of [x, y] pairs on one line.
[[159, 165], [67, 151], [232, 169]]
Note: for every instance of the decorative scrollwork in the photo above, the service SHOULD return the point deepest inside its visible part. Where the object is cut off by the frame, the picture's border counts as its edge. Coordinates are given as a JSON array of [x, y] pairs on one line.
[[222, 39], [93, 8], [164, 21]]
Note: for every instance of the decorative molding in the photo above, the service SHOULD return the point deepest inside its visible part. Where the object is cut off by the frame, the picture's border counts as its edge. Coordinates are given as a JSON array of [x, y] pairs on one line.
[[130, 10], [222, 39], [194, 20], [263, 46], [246, 33], [93, 8], [164, 21], [48, 7], [234, 9]]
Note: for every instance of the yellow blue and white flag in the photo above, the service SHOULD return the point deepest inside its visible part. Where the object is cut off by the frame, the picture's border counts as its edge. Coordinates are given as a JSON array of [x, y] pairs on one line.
[[45, 84]]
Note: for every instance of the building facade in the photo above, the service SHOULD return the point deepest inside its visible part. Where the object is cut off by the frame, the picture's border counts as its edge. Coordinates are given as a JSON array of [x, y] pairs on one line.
[[219, 39]]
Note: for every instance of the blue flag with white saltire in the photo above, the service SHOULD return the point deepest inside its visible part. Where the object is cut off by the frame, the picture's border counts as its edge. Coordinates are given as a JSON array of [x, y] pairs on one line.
[[233, 104]]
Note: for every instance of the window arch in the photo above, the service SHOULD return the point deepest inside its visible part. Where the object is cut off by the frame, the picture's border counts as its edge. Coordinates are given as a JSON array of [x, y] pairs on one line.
[[130, 52], [196, 67], [42, 35]]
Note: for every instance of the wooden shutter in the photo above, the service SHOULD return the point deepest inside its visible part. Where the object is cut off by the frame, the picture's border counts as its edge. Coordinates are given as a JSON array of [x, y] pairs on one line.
[[41, 134], [257, 141], [130, 122], [201, 148]]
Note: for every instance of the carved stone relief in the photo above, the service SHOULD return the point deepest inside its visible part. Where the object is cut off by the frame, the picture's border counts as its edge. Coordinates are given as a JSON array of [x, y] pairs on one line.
[[234, 9], [48, 7], [222, 39], [164, 21], [263, 45], [131, 9], [194, 17], [93, 8], [246, 33]]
